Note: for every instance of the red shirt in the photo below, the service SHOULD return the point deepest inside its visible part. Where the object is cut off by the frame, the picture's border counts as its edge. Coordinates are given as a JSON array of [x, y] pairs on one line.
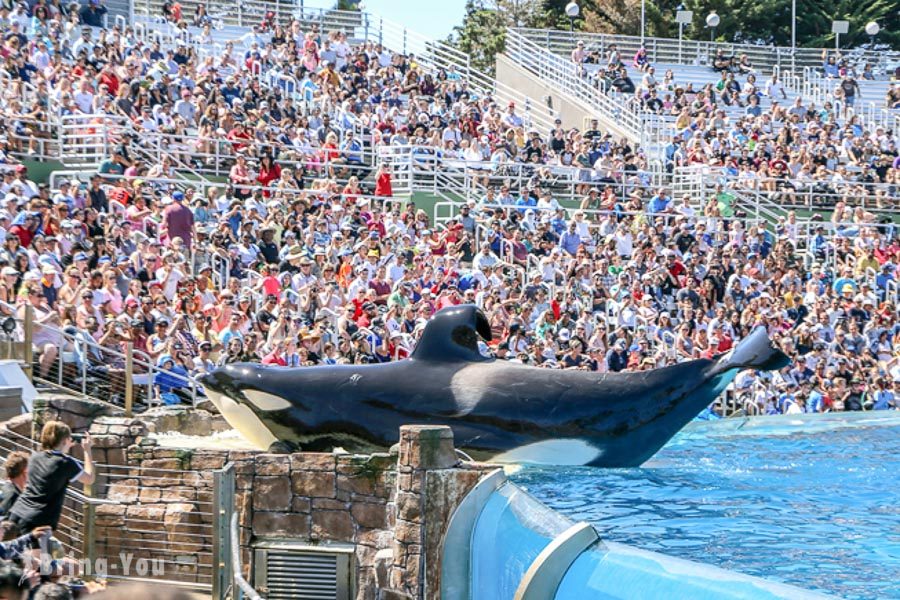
[[383, 185], [111, 81], [382, 288], [377, 226], [267, 176], [118, 194], [274, 359], [676, 270], [445, 301], [239, 137], [24, 234]]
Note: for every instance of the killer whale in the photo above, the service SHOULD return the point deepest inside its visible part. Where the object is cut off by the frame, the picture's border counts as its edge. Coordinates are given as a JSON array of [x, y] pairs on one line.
[[499, 410]]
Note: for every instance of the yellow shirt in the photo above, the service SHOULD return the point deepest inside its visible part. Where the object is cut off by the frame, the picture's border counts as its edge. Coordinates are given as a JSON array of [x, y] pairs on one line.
[[866, 263]]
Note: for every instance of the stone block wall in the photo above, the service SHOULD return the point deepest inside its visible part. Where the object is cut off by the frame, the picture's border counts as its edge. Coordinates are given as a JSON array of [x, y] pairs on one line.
[[322, 498], [432, 481], [77, 413], [392, 507]]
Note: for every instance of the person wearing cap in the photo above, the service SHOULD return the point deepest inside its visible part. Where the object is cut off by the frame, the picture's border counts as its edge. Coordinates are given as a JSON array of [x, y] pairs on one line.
[[8, 284], [178, 220], [617, 357], [268, 249], [45, 336]]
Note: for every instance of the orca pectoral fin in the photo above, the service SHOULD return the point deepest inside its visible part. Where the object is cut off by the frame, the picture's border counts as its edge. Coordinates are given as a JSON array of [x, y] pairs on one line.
[[282, 447], [753, 352]]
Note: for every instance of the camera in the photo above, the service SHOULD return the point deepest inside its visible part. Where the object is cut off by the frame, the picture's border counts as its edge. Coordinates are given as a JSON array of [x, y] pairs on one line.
[[77, 437]]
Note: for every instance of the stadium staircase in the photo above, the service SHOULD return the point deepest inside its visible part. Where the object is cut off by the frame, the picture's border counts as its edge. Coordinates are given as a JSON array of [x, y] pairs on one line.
[[690, 60], [560, 74]]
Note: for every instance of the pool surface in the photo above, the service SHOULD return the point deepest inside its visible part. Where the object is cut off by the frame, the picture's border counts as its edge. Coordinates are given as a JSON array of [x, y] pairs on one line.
[[813, 501]]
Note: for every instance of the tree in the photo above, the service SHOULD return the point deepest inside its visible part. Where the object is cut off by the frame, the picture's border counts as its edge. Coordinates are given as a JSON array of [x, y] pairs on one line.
[[483, 31], [757, 22], [815, 17]]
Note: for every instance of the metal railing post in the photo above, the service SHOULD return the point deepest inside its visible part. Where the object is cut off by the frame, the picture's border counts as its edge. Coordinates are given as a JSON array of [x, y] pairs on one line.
[[89, 550], [28, 349], [59, 375], [223, 509], [83, 362], [129, 378]]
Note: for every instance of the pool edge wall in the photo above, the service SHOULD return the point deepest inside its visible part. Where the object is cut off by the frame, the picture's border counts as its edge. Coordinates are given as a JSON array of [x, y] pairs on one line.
[[502, 544]]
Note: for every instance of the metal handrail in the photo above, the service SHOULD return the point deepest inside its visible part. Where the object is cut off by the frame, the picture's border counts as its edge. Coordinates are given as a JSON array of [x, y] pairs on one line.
[[135, 362], [698, 181], [78, 524], [644, 128], [432, 54], [203, 185], [87, 138], [432, 170], [239, 580], [673, 50]]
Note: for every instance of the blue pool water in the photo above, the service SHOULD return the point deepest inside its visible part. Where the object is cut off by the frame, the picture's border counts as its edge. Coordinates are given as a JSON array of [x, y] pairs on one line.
[[811, 501]]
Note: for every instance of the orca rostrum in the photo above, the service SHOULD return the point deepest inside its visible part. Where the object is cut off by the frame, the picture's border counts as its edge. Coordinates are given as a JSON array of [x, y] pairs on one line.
[[498, 410]]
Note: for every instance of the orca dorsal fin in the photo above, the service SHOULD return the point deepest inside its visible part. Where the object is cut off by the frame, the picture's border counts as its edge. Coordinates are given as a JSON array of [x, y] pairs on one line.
[[452, 334]]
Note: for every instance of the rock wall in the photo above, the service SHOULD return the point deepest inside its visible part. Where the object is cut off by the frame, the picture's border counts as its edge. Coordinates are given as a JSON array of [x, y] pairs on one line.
[[392, 507]]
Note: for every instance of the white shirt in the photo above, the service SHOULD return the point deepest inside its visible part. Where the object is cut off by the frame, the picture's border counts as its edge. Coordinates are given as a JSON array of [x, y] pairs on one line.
[[395, 271], [84, 101], [774, 89], [171, 283]]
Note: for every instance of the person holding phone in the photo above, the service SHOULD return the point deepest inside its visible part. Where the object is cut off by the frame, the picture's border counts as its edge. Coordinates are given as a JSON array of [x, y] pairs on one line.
[[50, 471]]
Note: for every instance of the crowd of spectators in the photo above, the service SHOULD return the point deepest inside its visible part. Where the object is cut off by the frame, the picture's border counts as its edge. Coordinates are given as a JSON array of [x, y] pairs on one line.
[[305, 256], [822, 153]]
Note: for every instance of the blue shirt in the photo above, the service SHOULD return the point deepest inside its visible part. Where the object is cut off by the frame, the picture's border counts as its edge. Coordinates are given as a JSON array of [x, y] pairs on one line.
[[558, 224], [658, 204], [753, 110], [168, 380], [883, 400], [569, 241], [815, 402], [353, 151], [525, 202]]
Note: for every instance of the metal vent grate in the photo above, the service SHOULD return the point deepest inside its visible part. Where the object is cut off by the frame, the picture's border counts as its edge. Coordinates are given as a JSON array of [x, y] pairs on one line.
[[286, 571]]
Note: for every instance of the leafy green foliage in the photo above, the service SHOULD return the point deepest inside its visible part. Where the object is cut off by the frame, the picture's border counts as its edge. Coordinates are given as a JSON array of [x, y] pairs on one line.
[[483, 31], [760, 21]]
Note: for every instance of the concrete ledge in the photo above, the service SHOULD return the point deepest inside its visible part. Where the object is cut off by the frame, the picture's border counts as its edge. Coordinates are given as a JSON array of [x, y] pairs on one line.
[[547, 571], [456, 571]]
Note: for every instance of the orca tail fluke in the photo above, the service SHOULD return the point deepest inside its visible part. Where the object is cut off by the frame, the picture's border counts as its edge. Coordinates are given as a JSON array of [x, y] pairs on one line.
[[754, 352]]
